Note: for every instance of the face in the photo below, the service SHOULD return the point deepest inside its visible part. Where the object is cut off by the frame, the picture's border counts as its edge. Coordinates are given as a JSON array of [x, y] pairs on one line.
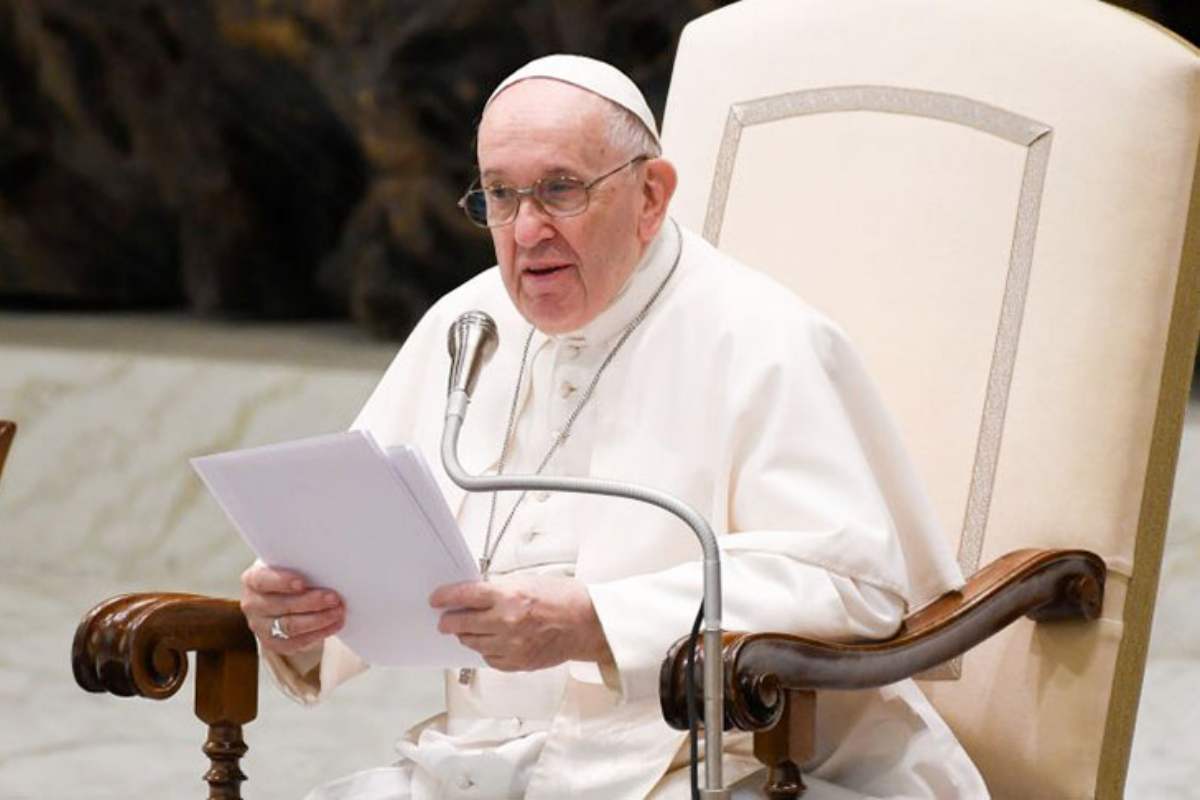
[[562, 272]]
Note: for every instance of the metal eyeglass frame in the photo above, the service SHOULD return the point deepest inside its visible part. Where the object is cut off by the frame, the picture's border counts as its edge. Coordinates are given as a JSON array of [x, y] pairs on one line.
[[532, 190]]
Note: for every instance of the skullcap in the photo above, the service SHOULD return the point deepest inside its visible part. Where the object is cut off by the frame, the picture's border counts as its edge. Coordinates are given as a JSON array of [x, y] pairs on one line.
[[595, 76]]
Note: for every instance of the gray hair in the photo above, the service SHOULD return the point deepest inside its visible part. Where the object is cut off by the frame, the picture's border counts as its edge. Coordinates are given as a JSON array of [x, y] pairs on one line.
[[628, 134]]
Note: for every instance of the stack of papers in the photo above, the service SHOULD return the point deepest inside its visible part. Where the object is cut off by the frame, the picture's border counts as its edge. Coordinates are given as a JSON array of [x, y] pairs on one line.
[[369, 524]]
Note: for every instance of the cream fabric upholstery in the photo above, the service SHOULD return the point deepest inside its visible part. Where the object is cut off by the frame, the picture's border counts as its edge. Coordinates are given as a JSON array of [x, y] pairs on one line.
[[991, 196]]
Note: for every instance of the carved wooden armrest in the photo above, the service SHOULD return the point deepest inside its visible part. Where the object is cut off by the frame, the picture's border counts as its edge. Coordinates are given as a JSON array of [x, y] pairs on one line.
[[7, 431], [137, 645], [770, 677]]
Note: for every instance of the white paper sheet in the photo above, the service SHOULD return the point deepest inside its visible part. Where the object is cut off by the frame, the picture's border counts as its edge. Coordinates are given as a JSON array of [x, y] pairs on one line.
[[371, 526], [413, 469]]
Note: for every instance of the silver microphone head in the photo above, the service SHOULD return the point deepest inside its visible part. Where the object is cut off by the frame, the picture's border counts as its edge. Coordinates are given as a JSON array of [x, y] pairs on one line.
[[472, 340]]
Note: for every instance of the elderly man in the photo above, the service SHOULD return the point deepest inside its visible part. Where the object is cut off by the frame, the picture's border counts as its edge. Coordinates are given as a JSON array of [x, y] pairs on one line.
[[631, 349]]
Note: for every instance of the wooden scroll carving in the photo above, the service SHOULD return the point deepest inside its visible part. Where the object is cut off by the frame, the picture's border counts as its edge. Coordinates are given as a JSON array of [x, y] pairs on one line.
[[770, 677], [137, 645], [7, 431]]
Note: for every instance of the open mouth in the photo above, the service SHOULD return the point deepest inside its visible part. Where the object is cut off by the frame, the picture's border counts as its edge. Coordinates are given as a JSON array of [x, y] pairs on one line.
[[549, 270]]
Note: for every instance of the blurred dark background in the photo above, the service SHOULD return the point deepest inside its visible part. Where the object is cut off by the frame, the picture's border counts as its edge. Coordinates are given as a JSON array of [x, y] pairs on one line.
[[279, 158]]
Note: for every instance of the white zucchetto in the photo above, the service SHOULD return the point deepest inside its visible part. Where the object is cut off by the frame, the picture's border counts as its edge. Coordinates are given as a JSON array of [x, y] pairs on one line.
[[595, 76]]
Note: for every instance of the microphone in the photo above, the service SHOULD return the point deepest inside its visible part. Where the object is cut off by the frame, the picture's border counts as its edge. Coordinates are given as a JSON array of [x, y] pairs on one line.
[[472, 340]]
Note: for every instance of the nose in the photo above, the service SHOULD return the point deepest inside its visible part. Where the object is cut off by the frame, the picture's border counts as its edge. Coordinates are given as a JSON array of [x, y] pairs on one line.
[[532, 224]]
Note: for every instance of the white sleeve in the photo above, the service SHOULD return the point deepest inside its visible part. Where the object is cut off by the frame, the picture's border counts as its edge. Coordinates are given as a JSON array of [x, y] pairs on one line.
[[310, 676], [813, 547], [643, 615]]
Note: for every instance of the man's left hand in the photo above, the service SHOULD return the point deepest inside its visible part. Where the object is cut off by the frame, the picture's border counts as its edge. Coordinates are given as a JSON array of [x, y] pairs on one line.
[[523, 623]]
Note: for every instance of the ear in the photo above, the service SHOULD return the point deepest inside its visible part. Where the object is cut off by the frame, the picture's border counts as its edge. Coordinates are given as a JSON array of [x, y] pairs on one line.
[[657, 189]]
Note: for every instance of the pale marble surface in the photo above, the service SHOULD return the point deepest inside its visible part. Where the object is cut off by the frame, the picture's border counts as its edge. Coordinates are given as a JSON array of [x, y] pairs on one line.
[[97, 499]]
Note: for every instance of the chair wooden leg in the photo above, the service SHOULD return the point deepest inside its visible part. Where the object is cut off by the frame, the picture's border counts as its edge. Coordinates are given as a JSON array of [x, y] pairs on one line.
[[224, 749], [226, 698], [787, 745]]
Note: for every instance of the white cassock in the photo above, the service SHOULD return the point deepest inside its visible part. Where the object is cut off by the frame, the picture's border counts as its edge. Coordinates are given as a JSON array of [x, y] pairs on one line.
[[752, 408]]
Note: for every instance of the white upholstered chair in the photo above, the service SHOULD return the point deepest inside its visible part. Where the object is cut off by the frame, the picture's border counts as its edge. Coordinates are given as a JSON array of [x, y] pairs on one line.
[[992, 197]]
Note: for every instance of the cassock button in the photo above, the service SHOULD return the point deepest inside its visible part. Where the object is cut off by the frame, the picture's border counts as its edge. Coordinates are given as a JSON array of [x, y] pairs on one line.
[[465, 782], [542, 497], [566, 390]]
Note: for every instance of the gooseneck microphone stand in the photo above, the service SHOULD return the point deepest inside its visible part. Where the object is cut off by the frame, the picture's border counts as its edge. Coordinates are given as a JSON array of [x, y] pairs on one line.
[[472, 341]]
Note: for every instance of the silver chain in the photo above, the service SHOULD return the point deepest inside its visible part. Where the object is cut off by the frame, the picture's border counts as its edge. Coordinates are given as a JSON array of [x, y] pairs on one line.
[[489, 549]]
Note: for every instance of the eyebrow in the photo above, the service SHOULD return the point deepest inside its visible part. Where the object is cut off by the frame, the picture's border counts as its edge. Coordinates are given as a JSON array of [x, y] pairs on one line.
[[550, 172]]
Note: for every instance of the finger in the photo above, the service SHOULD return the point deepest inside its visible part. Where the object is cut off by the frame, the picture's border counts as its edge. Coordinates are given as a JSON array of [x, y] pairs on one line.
[[278, 605], [298, 628], [299, 625], [269, 580], [308, 640], [297, 643], [501, 663], [465, 621], [477, 595], [484, 644]]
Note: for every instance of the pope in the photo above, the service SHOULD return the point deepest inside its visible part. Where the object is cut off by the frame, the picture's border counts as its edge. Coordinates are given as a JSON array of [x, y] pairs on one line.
[[631, 349]]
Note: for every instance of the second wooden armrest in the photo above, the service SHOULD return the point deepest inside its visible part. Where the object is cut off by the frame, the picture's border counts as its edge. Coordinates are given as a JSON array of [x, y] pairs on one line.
[[1044, 585], [138, 645]]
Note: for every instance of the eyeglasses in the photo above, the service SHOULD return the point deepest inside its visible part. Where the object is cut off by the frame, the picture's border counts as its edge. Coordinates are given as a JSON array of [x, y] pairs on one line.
[[559, 196]]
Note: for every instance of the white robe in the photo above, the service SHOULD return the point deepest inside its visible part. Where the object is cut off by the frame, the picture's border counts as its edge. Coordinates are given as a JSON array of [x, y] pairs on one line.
[[751, 407]]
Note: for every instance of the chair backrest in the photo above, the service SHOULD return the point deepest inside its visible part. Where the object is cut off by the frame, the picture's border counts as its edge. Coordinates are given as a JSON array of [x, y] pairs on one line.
[[991, 197], [7, 431]]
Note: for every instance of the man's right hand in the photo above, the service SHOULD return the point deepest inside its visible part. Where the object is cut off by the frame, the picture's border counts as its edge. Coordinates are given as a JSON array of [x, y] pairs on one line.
[[306, 615]]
